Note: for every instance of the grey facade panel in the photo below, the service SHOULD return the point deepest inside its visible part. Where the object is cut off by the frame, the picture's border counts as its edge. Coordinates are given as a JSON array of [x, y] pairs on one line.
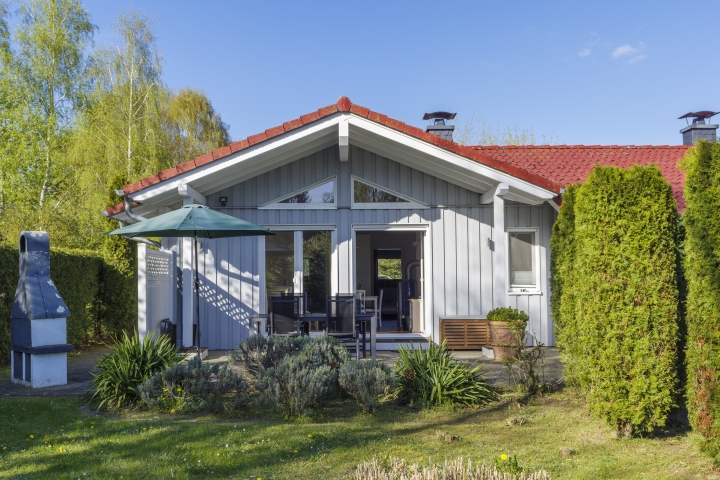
[[459, 268]]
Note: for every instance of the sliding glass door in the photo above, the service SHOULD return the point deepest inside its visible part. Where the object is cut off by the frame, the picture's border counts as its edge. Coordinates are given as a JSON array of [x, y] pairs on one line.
[[299, 262]]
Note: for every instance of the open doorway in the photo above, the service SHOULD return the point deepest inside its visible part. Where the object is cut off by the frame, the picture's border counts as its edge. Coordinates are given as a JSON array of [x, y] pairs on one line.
[[389, 265]]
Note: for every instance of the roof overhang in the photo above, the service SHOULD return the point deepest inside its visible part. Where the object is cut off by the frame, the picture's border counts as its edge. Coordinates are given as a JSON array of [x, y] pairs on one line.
[[332, 130]]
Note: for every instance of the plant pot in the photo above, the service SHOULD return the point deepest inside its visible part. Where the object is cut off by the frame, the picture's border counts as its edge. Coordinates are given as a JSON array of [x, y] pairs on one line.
[[502, 339]]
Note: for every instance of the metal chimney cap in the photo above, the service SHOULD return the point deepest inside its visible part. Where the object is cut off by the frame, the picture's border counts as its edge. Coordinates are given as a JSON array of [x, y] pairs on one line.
[[443, 115], [704, 114]]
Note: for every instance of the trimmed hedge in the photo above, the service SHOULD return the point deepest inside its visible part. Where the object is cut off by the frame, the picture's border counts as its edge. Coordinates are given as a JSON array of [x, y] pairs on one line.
[[702, 272], [82, 279], [616, 306]]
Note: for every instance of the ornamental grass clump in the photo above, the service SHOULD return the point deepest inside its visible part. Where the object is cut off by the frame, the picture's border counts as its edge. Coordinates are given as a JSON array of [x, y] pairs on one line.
[[397, 469], [194, 387], [702, 271], [366, 382], [432, 377], [619, 314], [129, 364]]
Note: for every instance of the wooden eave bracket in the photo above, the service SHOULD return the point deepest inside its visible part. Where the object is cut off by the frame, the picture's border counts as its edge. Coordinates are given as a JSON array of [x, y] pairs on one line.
[[489, 196], [190, 195]]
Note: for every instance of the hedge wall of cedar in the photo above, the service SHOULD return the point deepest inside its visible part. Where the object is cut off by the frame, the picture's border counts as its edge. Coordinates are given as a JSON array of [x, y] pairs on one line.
[[85, 282], [702, 272], [617, 307]]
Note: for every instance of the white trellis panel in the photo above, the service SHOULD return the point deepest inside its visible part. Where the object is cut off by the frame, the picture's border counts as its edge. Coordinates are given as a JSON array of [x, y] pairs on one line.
[[156, 289]]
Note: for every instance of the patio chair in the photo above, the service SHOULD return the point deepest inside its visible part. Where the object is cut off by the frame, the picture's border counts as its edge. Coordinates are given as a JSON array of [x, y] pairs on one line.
[[361, 295], [285, 316], [377, 311], [301, 296], [341, 322]]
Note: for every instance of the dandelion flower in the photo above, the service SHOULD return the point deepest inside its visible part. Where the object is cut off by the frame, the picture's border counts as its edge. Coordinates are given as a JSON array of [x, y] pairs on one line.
[[172, 410], [179, 389], [309, 435], [92, 426], [164, 389], [32, 436], [295, 451], [61, 449], [144, 429], [4, 448], [503, 456]]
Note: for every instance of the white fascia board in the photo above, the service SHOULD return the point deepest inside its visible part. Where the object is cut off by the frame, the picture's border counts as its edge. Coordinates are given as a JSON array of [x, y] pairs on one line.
[[472, 167], [255, 153]]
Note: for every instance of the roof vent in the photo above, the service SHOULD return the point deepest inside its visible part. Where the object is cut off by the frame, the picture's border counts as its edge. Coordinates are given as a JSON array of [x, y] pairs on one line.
[[438, 127], [699, 129]]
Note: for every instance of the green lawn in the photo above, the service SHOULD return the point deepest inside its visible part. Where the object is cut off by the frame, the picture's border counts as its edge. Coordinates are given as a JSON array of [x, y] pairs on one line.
[[70, 444]]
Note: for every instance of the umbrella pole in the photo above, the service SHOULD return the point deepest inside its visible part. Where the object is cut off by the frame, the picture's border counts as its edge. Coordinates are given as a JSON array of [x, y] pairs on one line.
[[197, 297]]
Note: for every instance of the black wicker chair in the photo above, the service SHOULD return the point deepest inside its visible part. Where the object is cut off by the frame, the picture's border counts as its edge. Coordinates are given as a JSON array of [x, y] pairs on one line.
[[285, 315], [341, 322]]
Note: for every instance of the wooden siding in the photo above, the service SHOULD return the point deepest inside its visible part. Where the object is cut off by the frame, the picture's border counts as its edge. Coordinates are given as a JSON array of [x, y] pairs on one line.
[[459, 270]]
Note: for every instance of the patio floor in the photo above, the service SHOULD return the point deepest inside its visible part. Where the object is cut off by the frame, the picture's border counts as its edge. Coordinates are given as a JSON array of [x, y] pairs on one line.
[[81, 364]]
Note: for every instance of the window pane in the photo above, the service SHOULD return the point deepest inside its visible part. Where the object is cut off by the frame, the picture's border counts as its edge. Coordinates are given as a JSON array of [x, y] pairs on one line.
[[389, 269], [521, 259], [366, 194], [316, 269], [324, 193], [279, 263]]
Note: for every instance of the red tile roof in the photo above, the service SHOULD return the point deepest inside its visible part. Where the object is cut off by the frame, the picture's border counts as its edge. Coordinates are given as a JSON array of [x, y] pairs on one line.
[[539, 166], [566, 164]]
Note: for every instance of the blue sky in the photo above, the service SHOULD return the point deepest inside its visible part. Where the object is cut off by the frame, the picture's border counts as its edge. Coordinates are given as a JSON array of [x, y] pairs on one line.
[[584, 72]]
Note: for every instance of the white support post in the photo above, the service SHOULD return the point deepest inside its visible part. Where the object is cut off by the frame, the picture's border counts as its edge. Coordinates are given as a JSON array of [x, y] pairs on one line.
[[142, 290], [344, 138], [188, 298], [499, 239], [298, 263]]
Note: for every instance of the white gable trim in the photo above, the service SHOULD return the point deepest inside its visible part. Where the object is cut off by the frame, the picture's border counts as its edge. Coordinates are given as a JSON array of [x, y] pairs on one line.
[[304, 141]]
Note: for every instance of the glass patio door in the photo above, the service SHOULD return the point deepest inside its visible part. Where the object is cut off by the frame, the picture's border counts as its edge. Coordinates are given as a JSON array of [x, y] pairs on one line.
[[299, 262]]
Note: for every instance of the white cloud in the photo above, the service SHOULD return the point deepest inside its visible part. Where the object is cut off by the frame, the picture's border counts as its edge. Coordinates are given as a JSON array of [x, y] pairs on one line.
[[637, 58], [624, 50], [584, 52]]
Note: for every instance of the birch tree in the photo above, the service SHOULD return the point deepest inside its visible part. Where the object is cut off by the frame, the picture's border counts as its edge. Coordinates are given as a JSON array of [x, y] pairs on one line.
[[50, 72]]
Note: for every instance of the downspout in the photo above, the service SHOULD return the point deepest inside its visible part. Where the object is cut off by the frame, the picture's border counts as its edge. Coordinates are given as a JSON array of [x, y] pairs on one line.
[[132, 216]]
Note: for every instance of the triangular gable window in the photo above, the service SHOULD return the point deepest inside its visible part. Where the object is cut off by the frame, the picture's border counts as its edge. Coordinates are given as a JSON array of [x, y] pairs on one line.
[[367, 195], [317, 195]]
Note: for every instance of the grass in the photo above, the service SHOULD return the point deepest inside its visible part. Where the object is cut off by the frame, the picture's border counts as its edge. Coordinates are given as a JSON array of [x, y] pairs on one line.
[[70, 444]]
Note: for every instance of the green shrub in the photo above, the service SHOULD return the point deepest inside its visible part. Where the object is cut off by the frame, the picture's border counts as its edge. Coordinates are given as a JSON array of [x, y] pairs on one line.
[[129, 364], [702, 271], [562, 265], [259, 353], [507, 314], [366, 381], [433, 377], [295, 387], [619, 307], [193, 387]]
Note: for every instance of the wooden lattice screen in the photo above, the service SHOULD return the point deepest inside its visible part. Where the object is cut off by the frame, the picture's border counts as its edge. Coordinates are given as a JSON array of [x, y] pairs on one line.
[[465, 334]]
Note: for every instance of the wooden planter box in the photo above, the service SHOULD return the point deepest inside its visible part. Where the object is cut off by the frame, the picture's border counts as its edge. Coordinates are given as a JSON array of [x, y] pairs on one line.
[[465, 333]]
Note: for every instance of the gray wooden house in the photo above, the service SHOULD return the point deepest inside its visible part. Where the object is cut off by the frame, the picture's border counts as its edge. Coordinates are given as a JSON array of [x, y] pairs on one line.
[[359, 201]]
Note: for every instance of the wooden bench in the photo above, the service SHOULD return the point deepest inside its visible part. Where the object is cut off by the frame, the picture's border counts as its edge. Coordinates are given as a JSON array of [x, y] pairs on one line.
[[464, 332]]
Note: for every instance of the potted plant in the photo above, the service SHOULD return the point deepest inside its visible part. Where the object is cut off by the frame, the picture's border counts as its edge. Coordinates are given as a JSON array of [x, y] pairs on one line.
[[504, 323]]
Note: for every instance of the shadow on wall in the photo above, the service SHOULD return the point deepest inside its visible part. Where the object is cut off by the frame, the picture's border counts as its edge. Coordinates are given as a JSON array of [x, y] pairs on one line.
[[229, 296]]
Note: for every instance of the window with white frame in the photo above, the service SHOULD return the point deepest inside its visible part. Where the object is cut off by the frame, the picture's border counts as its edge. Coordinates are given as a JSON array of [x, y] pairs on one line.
[[369, 195], [523, 260], [317, 195]]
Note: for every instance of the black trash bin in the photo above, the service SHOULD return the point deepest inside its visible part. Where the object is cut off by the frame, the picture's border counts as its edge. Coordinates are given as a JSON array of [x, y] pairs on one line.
[[170, 329]]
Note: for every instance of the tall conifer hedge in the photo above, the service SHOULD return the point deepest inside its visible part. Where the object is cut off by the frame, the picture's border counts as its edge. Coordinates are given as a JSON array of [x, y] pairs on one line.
[[618, 300], [702, 272]]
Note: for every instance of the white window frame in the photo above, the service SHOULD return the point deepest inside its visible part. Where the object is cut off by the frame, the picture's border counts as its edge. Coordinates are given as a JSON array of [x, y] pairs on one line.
[[524, 289], [409, 204], [276, 205]]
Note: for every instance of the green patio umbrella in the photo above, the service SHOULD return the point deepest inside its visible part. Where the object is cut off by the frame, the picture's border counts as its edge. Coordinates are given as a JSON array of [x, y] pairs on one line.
[[196, 221]]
